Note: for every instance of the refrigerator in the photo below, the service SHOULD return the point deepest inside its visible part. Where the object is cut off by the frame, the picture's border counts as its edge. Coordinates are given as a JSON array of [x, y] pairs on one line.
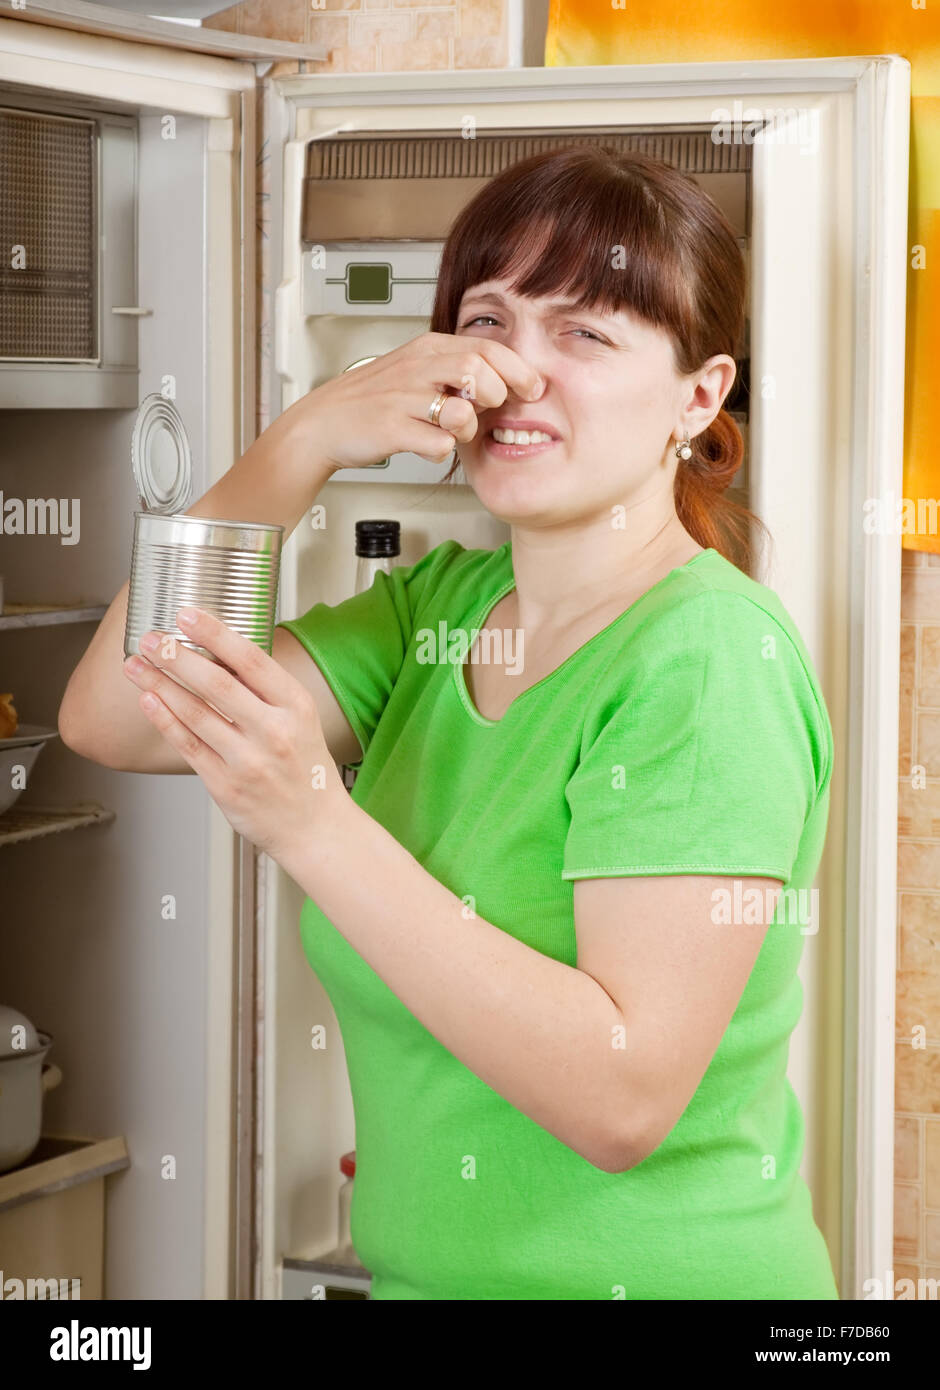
[[237, 218]]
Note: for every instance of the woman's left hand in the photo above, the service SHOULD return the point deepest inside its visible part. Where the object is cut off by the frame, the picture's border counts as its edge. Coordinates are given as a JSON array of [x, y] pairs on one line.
[[266, 763]]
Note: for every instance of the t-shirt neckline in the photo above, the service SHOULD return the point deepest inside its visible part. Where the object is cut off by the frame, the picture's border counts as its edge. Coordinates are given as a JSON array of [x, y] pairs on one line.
[[489, 603]]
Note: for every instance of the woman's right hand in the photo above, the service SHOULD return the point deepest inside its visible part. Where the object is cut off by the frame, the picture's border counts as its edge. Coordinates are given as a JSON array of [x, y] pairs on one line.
[[381, 408]]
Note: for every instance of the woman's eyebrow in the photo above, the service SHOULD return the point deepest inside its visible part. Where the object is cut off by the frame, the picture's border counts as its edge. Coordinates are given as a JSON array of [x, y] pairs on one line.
[[554, 305]]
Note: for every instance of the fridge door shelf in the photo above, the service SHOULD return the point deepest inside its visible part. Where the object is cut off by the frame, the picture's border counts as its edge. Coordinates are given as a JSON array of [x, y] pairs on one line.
[[17, 615], [32, 822]]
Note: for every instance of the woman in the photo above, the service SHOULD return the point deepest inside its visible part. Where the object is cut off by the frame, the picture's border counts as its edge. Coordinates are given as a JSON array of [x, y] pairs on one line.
[[548, 915]]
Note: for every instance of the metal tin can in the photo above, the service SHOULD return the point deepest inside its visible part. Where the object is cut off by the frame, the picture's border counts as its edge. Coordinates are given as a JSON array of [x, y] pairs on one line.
[[229, 568]]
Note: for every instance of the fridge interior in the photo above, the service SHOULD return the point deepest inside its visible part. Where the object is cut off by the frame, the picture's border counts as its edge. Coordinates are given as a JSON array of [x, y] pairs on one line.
[[109, 928]]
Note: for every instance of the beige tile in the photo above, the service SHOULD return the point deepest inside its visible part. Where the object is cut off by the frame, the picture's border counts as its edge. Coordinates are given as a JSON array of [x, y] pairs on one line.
[[916, 1079], [436, 24], [481, 19], [224, 19], [332, 30], [920, 594], [380, 29], [920, 1277], [907, 1148], [932, 1164], [918, 980], [932, 1236], [908, 655], [930, 556], [480, 53], [361, 59], [919, 866], [907, 1221], [426, 55], [918, 810], [928, 688], [916, 1006], [912, 559], [927, 741], [274, 19], [377, 4], [331, 5], [905, 1271]]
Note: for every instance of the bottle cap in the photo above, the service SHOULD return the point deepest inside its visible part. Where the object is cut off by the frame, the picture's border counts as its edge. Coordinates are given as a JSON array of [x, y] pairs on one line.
[[377, 538]]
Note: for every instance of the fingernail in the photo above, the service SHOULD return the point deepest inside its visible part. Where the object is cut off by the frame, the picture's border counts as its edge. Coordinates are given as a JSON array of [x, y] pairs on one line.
[[186, 616], [150, 641]]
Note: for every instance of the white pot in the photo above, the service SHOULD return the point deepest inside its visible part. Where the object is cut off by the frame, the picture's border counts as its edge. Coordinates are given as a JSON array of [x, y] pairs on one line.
[[25, 1076], [24, 748]]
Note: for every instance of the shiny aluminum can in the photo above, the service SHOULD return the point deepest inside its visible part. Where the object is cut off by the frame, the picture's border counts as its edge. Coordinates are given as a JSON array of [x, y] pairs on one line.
[[229, 568]]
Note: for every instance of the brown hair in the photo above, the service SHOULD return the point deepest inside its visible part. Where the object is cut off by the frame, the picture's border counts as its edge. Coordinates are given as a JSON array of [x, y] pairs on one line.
[[555, 220]]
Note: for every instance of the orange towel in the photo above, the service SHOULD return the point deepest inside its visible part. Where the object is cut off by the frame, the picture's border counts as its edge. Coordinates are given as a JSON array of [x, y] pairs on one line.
[[593, 32]]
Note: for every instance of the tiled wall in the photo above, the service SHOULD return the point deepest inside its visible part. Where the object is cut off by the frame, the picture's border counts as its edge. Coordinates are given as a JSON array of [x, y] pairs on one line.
[[380, 35], [397, 35], [917, 1085]]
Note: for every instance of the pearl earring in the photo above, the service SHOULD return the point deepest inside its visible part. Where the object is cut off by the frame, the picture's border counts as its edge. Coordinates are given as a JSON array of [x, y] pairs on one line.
[[684, 450]]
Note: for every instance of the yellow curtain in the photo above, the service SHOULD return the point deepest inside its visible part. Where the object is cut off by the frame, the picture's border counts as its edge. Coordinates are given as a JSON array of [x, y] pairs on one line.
[[584, 33]]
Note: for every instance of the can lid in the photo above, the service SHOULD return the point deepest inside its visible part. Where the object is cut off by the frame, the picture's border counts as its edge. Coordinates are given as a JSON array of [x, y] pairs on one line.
[[160, 456], [375, 538], [348, 1164]]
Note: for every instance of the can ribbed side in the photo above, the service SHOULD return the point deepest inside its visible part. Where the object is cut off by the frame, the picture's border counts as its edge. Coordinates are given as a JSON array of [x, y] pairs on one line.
[[237, 586]]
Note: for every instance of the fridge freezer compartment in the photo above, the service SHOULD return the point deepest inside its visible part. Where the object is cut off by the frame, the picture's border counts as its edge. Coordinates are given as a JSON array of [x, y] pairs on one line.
[[375, 185]]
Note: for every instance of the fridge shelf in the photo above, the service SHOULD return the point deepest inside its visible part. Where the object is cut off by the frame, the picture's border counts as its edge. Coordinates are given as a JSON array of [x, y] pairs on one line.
[[330, 1262], [43, 615], [58, 1163], [30, 822]]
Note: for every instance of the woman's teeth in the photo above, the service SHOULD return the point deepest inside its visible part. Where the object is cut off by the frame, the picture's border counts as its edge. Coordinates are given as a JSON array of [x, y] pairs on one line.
[[521, 437]]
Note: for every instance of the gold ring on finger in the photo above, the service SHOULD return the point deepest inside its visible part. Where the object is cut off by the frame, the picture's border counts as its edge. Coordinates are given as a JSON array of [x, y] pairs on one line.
[[434, 414]]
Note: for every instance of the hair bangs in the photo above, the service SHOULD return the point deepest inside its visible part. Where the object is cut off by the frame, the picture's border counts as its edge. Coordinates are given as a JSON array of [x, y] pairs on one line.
[[604, 249]]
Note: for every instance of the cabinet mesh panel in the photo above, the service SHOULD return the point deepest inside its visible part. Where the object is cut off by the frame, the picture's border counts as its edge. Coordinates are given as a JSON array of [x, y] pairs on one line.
[[47, 207]]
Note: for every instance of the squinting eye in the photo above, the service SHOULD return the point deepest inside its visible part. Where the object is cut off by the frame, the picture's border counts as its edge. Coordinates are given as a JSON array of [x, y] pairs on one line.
[[589, 333], [477, 320]]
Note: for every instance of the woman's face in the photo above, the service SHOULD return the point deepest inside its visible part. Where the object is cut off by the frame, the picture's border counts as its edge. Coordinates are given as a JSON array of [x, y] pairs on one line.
[[611, 398]]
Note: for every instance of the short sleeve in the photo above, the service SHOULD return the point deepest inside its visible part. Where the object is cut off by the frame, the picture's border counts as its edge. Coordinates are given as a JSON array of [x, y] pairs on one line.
[[705, 750], [360, 643]]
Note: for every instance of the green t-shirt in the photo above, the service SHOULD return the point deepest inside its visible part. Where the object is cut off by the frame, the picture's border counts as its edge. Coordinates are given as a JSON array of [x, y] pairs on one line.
[[689, 736]]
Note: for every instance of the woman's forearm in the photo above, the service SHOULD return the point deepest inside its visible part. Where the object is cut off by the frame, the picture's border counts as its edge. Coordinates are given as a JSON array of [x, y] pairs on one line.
[[275, 481], [540, 1033]]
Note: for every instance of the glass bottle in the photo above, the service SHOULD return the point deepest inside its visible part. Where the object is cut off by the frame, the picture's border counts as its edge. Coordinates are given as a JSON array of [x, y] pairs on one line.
[[378, 545]]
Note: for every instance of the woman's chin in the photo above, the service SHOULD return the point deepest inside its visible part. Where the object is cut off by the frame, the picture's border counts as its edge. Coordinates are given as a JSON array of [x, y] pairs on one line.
[[526, 482], [516, 501]]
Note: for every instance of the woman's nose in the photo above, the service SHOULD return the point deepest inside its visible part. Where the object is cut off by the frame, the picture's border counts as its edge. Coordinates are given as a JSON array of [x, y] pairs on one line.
[[527, 346]]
